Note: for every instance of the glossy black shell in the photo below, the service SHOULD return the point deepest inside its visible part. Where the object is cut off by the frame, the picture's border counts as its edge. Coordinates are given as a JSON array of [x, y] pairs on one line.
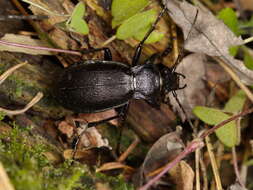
[[95, 86]]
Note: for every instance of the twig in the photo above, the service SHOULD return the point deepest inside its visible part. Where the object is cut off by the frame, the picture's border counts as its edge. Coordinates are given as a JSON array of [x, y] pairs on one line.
[[213, 163], [10, 71], [204, 173], [234, 117], [129, 149], [192, 146], [36, 99], [40, 48], [197, 163], [235, 78], [108, 41], [44, 9], [30, 104], [248, 40], [237, 173]]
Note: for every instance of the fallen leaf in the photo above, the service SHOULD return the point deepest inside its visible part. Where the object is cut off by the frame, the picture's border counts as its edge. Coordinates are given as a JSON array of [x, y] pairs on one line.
[[92, 138], [183, 176], [113, 166], [208, 35], [26, 40], [163, 150], [66, 129], [236, 186], [53, 157]]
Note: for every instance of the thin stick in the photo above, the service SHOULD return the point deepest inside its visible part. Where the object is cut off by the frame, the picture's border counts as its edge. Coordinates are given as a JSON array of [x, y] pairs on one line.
[[248, 40], [235, 78], [10, 71], [130, 149], [237, 173], [44, 9], [40, 48], [36, 99], [197, 163], [23, 17], [213, 163], [192, 146]]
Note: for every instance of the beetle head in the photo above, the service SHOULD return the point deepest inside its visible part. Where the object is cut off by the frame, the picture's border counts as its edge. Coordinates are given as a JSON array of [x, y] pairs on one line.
[[170, 80]]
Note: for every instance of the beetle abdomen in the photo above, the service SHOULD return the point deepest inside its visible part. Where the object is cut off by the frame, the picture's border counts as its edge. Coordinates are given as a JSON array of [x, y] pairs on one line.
[[95, 86]]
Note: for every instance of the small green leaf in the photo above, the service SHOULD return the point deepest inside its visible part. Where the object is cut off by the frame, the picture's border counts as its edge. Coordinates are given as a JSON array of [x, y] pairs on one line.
[[229, 18], [236, 103], [248, 60], [233, 50], [124, 9], [76, 22], [78, 12], [153, 37], [249, 163], [227, 134], [136, 23]]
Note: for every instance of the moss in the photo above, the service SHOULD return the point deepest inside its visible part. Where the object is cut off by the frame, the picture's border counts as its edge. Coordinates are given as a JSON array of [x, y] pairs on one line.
[[29, 169], [2, 115], [116, 183]]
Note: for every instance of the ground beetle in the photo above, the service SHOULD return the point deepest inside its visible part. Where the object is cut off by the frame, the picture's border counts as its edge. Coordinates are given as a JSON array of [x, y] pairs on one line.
[[98, 85]]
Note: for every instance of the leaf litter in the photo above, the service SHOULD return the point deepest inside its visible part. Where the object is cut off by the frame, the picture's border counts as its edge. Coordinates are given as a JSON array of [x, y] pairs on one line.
[[208, 35]]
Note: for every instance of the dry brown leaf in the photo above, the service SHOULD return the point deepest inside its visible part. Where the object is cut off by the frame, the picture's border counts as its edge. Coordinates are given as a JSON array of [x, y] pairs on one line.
[[91, 138], [246, 4], [66, 128], [208, 35], [163, 150], [79, 154], [183, 175], [27, 40], [113, 166], [53, 157], [102, 186], [236, 186]]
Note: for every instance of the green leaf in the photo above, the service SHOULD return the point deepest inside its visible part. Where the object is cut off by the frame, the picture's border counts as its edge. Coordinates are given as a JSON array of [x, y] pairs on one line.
[[236, 103], [229, 18], [233, 50], [227, 134], [153, 37], [76, 22], [135, 24], [248, 60], [124, 9], [249, 163]]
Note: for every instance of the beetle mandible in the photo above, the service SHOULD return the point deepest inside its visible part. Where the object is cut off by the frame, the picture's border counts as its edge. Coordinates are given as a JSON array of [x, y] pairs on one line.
[[99, 85]]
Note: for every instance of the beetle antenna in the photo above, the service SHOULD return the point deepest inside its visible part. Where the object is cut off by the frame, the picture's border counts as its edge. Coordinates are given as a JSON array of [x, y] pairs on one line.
[[139, 47], [182, 108], [181, 52]]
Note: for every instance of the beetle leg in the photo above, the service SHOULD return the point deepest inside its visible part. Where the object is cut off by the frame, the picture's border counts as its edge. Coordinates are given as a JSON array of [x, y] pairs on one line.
[[121, 114], [138, 50], [107, 52]]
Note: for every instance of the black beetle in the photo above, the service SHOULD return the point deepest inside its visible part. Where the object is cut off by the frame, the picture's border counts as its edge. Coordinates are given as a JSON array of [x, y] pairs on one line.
[[98, 85]]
